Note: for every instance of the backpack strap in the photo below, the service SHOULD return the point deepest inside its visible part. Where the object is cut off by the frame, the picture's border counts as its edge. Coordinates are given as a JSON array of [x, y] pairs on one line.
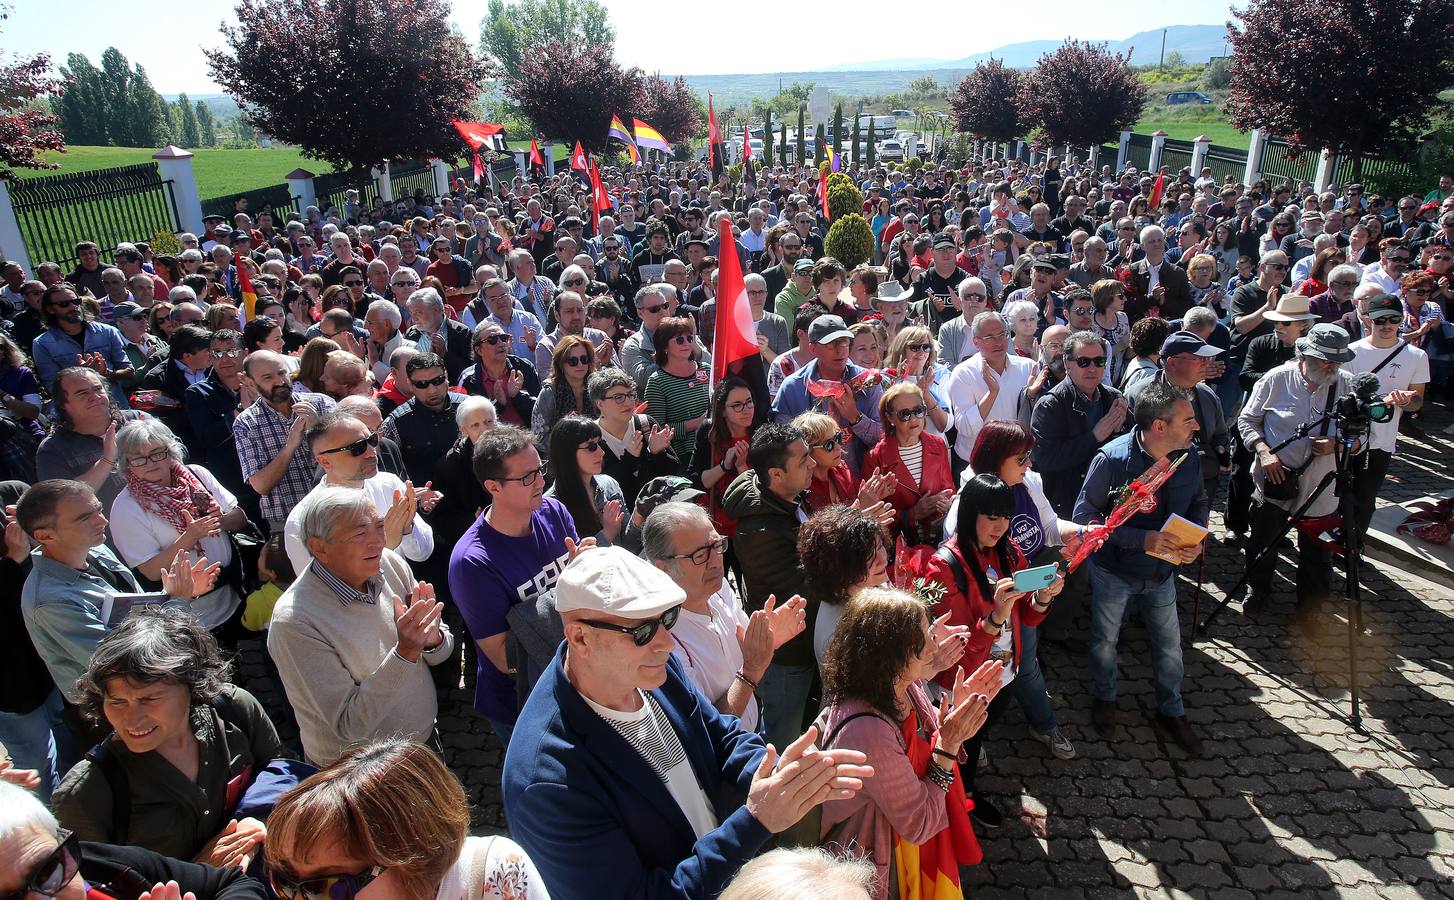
[[105, 762], [956, 568], [833, 735]]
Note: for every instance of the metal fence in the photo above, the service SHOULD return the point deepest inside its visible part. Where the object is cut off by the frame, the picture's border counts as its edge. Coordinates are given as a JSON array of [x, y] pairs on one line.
[[411, 179], [1278, 161], [1176, 155], [277, 199], [1224, 161], [1138, 153], [331, 187], [106, 207]]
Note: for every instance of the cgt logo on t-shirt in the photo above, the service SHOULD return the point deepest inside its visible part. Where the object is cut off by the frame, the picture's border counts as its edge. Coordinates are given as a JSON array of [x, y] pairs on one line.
[[1025, 531], [544, 580]]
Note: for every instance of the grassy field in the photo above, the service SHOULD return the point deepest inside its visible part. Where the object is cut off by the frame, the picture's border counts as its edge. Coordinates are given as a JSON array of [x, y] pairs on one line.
[[1181, 130], [219, 172]]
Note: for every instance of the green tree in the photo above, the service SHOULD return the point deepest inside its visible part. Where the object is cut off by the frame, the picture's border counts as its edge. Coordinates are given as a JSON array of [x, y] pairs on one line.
[[767, 137], [849, 240], [802, 137], [510, 31], [1217, 75], [206, 127], [1173, 60], [838, 130], [925, 87], [190, 134], [145, 107], [857, 136], [115, 93], [81, 107], [783, 143]]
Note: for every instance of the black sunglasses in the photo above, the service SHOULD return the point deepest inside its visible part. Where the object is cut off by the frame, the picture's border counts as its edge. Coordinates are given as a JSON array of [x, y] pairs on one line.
[[492, 339], [324, 887], [1086, 362], [832, 443], [357, 448], [591, 446], [352, 283], [919, 348], [54, 872], [642, 634], [583, 360], [912, 413], [436, 380]]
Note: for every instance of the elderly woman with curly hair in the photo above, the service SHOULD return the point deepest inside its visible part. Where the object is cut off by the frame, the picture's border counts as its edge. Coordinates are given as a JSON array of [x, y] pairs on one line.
[[184, 746]]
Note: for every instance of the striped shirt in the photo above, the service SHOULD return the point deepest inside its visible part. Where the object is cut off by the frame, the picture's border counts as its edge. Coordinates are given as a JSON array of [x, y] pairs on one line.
[[346, 593], [650, 734], [672, 400], [913, 458]]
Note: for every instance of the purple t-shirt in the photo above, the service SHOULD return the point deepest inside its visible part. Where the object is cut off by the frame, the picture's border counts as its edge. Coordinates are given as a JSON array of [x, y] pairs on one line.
[[1026, 529], [490, 572]]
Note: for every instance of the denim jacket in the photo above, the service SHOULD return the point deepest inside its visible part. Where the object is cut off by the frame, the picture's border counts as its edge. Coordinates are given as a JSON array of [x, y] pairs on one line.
[[1119, 463]]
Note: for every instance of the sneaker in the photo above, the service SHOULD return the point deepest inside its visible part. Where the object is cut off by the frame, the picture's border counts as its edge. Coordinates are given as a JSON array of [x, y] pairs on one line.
[[1103, 717], [1180, 730], [1058, 743], [985, 814], [1256, 605]]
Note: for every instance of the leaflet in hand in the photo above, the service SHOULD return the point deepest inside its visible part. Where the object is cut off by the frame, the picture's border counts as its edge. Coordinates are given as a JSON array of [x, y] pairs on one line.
[[1186, 532]]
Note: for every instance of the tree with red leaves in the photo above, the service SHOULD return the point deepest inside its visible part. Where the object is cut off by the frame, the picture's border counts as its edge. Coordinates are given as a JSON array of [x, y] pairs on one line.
[[671, 108], [25, 131], [987, 102], [1081, 94], [1358, 77], [569, 93], [352, 82]]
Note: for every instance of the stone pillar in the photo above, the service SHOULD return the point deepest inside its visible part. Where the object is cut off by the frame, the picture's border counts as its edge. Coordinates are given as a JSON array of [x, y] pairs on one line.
[[549, 151], [1019, 148], [1256, 146], [521, 157], [12, 243], [1123, 151], [1199, 150], [441, 176], [1093, 156], [383, 183], [300, 185], [1327, 164], [176, 166], [1158, 144]]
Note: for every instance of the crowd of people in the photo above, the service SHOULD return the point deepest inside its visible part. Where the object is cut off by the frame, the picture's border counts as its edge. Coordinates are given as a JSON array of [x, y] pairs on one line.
[[733, 633]]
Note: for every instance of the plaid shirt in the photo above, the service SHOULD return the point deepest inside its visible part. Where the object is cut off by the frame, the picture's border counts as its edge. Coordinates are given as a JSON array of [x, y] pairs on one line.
[[260, 433]]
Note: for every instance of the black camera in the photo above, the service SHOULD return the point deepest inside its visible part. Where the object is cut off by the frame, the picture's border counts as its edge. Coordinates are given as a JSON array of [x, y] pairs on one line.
[[1361, 406]]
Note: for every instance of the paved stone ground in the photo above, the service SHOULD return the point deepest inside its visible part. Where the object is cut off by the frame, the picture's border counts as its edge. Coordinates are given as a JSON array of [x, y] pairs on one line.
[[1287, 801]]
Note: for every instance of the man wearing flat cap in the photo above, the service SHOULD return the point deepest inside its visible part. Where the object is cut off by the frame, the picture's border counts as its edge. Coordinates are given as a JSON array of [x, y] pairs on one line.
[[619, 765]]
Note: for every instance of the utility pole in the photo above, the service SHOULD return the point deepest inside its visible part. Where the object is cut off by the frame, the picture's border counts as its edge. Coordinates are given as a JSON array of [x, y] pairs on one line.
[[1161, 64]]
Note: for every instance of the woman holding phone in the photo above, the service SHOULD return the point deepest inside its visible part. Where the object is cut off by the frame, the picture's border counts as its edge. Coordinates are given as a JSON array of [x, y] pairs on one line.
[[976, 568]]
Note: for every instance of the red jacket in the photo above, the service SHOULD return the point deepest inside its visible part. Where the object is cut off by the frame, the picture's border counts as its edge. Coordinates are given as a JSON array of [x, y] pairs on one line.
[[935, 477], [842, 480], [969, 608]]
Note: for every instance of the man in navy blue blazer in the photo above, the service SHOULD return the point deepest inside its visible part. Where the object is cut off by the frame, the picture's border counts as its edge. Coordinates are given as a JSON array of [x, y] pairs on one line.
[[622, 780]]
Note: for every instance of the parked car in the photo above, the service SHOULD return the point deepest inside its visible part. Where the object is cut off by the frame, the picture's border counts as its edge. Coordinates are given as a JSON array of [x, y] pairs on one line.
[[1178, 97], [891, 151], [903, 114]]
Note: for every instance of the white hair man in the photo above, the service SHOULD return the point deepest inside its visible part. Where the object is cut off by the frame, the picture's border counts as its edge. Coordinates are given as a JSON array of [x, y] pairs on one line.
[[988, 384], [348, 635]]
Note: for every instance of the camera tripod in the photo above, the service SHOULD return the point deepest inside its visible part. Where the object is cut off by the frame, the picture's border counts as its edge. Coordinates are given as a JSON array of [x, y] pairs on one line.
[[1346, 541]]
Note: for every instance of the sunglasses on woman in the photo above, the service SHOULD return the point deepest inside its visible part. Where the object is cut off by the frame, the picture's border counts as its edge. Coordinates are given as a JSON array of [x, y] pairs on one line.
[[911, 414], [357, 448], [832, 443], [919, 348], [325, 887], [591, 446], [53, 873], [642, 634], [577, 360]]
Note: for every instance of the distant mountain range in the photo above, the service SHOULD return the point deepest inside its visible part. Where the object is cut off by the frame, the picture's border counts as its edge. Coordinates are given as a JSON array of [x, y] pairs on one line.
[[1196, 44]]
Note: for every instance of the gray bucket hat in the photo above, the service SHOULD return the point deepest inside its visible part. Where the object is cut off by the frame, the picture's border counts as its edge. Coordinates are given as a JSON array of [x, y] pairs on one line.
[[1325, 342]]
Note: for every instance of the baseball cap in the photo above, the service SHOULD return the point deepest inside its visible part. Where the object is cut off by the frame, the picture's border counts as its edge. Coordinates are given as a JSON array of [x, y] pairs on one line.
[[803, 267], [944, 240], [222, 230], [1185, 342], [827, 329], [214, 218], [1385, 306], [616, 582], [127, 309], [1045, 264], [665, 489]]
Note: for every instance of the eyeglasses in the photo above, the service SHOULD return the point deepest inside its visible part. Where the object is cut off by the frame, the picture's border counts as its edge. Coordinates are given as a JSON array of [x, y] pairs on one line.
[[222, 354], [352, 283], [642, 634], [911, 414], [683, 339], [621, 397], [1024, 458], [326, 887], [436, 380], [492, 339], [653, 310], [700, 555], [1419, 291], [574, 282], [158, 455], [63, 304], [578, 360], [528, 478], [404, 284], [1082, 310], [1086, 362], [1273, 265], [54, 872], [833, 443], [1401, 260], [919, 348], [357, 448], [1344, 283], [591, 446]]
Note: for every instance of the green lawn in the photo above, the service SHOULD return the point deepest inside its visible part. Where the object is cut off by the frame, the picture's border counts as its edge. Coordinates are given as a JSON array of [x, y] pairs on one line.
[[1220, 132], [219, 172]]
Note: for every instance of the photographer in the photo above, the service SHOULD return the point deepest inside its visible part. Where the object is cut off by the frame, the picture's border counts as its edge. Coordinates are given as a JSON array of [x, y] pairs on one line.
[[1288, 405], [1403, 374]]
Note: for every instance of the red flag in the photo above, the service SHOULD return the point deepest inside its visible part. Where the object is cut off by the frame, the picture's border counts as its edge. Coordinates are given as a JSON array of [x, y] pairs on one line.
[[735, 337], [600, 200], [714, 135], [746, 143], [1156, 190], [535, 158], [249, 295], [478, 134], [479, 168], [822, 194], [578, 158]]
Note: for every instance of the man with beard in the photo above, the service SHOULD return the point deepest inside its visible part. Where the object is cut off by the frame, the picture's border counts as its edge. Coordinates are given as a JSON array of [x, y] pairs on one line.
[[570, 317], [71, 339], [1052, 368], [790, 250], [211, 408], [1293, 394], [269, 436], [428, 418], [82, 445], [347, 451], [934, 290]]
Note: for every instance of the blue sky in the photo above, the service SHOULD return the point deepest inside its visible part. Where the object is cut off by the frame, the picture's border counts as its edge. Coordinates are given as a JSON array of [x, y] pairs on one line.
[[168, 37]]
